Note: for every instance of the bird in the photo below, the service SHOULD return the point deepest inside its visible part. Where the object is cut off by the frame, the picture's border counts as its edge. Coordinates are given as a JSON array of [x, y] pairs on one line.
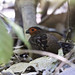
[[48, 41], [42, 40]]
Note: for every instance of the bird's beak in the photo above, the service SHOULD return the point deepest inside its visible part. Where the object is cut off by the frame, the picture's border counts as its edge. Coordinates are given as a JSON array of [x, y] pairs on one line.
[[27, 32]]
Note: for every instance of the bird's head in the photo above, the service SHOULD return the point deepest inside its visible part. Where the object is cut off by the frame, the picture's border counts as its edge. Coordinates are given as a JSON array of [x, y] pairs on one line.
[[33, 30]]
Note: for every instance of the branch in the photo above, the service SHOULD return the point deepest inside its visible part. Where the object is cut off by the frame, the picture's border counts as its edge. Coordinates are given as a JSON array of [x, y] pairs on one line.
[[48, 16], [48, 54]]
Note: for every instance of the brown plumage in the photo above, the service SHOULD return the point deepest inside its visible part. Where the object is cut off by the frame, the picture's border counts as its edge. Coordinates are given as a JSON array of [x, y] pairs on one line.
[[42, 40]]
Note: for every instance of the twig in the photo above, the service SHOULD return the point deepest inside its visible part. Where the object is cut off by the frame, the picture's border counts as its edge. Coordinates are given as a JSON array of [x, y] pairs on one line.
[[16, 57], [50, 55], [62, 63], [48, 16], [18, 42], [18, 47]]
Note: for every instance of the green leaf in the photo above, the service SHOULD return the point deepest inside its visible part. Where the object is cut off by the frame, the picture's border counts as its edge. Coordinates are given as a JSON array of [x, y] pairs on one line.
[[18, 30], [6, 44]]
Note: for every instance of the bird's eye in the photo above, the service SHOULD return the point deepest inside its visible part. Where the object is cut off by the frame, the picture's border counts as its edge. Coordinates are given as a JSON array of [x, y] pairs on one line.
[[32, 29]]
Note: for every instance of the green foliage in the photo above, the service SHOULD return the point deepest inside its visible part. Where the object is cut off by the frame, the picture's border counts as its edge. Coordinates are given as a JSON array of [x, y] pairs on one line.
[[18, 30], [6, 44]]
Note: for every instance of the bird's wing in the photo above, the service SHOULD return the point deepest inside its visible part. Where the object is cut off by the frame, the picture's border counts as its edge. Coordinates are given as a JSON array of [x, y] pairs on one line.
[[40, 41]]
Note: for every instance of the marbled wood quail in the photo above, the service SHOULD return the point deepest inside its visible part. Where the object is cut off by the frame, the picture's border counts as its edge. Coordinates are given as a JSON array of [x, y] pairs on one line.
[[41, 40]]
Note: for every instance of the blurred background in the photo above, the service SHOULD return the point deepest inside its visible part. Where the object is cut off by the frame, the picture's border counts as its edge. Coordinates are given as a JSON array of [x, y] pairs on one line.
[[57, 14]]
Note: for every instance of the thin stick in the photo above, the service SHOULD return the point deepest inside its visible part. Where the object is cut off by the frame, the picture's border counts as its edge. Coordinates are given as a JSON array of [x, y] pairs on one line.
[[62, 63], [48, 16], [50, 55]]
